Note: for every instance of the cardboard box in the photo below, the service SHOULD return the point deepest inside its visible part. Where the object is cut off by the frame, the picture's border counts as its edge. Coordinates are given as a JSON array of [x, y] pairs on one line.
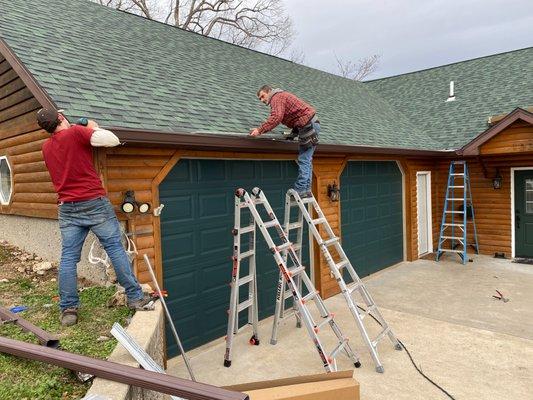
[[335, 385]]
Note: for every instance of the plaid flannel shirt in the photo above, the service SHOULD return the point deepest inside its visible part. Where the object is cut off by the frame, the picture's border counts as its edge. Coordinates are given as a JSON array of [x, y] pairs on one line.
[[288, 110]]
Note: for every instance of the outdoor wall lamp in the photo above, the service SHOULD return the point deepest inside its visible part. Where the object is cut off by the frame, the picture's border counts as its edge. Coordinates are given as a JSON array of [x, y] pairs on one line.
[[497, 180], [334, 192], [129, 203]]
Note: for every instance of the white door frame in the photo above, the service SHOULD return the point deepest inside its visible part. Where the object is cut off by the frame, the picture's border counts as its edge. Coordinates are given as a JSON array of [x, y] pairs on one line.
[[512, 206], [429, 216]]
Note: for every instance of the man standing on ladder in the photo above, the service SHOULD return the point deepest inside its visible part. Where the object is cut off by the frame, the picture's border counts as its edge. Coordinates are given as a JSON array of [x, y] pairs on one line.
[[295, 113]]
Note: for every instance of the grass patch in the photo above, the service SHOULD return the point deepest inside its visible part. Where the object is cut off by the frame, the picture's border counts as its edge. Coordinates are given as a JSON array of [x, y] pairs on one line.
[[24, 379]]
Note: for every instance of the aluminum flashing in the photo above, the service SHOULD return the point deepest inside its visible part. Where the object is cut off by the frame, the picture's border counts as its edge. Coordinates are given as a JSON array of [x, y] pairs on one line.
[[119, 373]]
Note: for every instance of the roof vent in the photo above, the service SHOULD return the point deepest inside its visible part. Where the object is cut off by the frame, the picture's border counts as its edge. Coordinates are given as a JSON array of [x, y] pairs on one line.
[[451, 96]]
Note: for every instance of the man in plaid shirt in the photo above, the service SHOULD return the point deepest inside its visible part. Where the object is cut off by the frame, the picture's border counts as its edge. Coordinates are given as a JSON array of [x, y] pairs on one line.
[[295, 113]]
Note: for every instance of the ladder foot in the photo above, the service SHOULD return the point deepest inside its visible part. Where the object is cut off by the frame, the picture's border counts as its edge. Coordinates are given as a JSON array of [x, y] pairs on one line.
[[380, 369], [298, 324], [254, 341], [398, 346], [227, 363], [357, 364], [273, 341]]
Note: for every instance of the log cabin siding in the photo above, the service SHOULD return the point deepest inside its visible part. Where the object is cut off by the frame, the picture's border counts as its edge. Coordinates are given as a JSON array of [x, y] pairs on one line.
[[517, 138], [21, 140]]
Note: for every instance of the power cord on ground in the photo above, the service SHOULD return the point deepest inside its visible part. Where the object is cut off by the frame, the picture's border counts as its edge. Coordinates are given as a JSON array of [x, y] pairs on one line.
[[413, 362]]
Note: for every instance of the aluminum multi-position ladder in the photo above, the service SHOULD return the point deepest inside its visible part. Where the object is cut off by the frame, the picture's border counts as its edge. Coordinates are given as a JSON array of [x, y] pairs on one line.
[[338, 262], [291, 275], [458, 202]]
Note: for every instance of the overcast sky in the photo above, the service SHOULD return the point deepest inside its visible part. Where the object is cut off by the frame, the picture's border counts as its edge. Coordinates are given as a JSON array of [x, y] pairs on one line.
[[408, 34]]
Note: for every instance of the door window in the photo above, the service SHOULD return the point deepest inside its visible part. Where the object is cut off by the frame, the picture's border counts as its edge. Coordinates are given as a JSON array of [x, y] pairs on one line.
[[529, 196]]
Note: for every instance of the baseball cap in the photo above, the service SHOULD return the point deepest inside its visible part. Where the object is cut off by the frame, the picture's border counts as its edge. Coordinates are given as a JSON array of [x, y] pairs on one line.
[[48, 119]]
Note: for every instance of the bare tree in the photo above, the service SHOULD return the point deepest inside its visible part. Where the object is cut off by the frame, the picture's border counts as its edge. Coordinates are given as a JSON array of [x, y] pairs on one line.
[[360, 69], [297, 56], [248, 23]]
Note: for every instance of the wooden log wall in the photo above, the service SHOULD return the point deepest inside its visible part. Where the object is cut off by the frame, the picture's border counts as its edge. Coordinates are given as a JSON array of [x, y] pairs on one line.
[[21, 140]]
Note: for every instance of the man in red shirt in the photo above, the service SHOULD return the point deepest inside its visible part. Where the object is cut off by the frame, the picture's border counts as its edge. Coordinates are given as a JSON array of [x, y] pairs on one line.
[[83, 206], [295, 113]]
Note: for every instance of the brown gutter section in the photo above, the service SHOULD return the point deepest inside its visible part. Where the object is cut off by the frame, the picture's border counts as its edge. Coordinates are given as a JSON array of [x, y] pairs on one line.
[[472, 148], [119, 373], [28, 79], [242, 142], [45, 338]]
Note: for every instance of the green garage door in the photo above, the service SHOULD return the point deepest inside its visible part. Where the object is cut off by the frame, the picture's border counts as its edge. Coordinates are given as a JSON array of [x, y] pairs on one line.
[[196, 226], [371, 215]]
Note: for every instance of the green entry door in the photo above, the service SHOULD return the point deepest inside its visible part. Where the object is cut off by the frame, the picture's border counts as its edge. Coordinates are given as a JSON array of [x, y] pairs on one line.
[[196, 226], [371, 215], [523, 205]]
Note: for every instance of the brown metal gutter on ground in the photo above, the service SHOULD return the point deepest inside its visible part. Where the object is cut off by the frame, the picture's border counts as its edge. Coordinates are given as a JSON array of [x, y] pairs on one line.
[[243, 142], [45, 338], [119, 373]]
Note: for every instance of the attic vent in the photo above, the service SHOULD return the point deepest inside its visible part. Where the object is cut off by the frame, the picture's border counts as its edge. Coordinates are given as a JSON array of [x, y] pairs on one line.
[[451, 96]]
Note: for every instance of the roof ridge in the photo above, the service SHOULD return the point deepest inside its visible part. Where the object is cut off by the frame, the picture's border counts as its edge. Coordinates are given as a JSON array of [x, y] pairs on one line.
[[452, 63]]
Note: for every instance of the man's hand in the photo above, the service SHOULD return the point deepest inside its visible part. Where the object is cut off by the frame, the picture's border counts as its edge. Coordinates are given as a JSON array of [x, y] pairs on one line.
[[254, 132], [92, 124]]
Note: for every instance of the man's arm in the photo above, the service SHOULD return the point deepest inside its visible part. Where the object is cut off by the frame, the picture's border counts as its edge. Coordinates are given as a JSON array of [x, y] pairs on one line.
[[102, 137], [276, 115]]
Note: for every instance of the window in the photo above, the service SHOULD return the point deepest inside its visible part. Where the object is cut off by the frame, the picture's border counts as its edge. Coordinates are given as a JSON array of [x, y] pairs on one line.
[[529, 196], [6, 181]]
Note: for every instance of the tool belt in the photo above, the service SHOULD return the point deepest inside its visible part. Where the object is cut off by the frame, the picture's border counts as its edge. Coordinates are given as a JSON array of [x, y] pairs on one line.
[[307, 136]]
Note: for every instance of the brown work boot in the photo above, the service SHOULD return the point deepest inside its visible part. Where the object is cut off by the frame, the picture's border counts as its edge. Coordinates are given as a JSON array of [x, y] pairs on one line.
[[145, 303], [69, 316]]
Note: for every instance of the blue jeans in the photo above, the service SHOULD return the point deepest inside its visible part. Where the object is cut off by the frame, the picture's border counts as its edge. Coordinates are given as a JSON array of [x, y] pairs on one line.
[[305, 166], [75, 221]]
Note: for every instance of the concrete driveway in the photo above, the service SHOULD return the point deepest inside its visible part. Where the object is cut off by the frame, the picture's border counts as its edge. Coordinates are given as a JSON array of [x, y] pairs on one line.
[[474, 346]]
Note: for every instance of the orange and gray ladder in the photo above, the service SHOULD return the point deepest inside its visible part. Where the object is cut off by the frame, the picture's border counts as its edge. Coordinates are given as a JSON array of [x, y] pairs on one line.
[[329, 245], [243, 262], [291, 274], [458, 212]]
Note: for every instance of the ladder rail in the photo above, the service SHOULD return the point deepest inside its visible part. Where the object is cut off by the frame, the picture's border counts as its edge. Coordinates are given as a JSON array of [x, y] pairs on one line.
[[333, 241]]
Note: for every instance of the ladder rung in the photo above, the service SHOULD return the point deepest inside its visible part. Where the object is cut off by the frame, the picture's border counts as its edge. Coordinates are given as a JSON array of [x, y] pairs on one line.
[[456, 199], [459, 162], [452, 251], [342, 264], [324, 321], [247, 229], [353, 287], [458, 174], [318, 221], [380, 336], [329, 242], [287, 294], [309, 296], [284, 246], [244, 305], [308, 200], [452, 237], [246, 254], [246, 279], [454, 212], [456, 187], [369, 309], [339, 347], [295, 271], [270, 224], [294, 225], [459, 225]]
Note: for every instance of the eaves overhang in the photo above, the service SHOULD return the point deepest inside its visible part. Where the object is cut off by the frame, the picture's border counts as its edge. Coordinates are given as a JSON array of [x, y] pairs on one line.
[[472, 148], [246, 143]]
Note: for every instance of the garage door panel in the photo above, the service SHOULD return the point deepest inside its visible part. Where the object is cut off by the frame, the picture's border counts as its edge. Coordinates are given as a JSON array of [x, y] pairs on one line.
[[371, 214], [197, 276]]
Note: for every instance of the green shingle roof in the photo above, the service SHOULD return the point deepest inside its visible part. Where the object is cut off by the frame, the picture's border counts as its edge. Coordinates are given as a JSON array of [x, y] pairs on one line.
[[129, 72], [484, 87]]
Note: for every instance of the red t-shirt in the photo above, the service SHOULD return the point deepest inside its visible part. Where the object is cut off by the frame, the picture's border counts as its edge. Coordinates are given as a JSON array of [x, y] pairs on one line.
[[68, 155]]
